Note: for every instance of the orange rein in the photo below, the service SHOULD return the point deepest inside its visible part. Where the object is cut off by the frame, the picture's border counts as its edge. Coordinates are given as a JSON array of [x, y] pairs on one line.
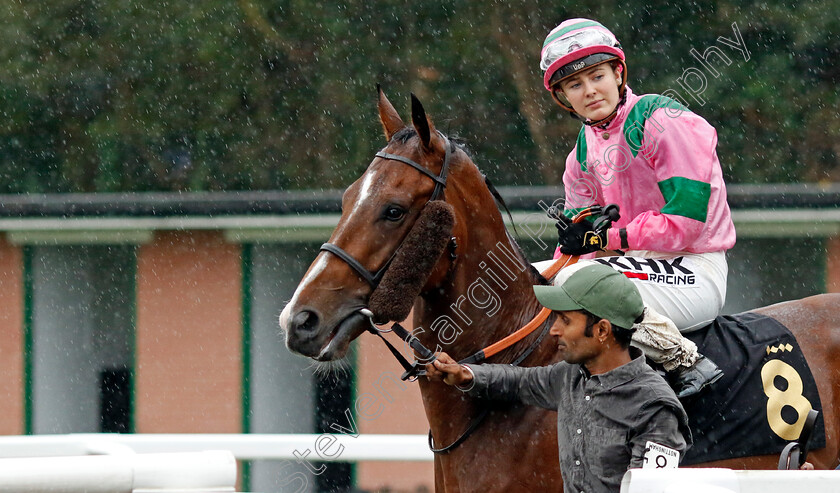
[[551, 271], [535, 322]]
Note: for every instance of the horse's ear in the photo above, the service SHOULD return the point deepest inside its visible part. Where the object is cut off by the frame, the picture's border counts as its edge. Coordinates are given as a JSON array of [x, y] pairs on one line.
[[391, 121], [422, 123]]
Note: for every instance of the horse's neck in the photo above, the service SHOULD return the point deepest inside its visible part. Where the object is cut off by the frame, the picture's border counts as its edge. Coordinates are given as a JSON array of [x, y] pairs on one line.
[[487, 296], [490, 296]]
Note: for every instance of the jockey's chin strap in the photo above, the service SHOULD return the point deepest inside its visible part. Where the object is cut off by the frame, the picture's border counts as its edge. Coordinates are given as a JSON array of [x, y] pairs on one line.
[[604, 122], [426, 356]]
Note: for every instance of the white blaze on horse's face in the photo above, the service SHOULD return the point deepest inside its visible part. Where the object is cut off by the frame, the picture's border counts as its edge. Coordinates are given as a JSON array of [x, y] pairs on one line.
[[364, 194], [320, 263], [323, 315], [317, 267]]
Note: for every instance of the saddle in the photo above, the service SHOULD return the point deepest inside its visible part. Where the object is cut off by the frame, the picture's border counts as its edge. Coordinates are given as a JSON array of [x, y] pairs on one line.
[[763, 400]]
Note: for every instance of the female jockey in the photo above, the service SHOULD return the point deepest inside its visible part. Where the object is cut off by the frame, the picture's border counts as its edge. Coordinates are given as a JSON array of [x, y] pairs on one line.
[[656, 160]]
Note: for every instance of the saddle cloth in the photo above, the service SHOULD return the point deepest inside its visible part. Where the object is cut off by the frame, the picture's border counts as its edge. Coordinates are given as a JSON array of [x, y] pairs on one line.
[[763, 399]]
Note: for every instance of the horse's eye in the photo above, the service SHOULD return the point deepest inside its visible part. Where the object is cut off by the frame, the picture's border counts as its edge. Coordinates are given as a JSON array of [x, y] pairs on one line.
[[393, 213]]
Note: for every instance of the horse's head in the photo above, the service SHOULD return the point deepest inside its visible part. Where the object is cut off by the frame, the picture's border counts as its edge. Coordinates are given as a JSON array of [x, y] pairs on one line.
[[388, 245]]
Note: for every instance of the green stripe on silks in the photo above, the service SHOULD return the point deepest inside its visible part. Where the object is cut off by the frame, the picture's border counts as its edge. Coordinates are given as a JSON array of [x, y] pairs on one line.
[[576, 25], [581, 158], [634, 126], [686, 197], [581, 148]]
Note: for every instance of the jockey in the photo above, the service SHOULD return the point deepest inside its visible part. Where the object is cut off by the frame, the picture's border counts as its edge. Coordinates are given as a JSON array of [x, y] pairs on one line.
[[656, 160]]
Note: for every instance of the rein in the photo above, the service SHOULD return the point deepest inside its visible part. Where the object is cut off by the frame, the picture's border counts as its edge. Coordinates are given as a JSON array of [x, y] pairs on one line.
[[417, 369]]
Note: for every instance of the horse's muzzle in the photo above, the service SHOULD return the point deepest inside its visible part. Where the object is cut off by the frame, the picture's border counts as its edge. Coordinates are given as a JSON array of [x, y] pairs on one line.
[[306, 336], [305, 324], [302, 333]]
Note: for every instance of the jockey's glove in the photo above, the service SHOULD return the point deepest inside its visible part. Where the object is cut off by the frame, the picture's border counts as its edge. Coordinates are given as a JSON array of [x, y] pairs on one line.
[[580, 238]]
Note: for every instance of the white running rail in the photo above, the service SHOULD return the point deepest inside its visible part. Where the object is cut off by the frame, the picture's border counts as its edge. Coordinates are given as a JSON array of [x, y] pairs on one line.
[[344, 448], [118, 448], [728, 481], [208, 472]]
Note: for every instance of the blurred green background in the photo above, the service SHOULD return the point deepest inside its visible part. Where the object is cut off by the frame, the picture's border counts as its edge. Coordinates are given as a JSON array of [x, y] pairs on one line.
[[116, 95]]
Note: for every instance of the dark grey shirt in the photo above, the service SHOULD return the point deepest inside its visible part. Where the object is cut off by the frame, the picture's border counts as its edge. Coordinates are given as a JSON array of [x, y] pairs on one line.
[[604, 421]]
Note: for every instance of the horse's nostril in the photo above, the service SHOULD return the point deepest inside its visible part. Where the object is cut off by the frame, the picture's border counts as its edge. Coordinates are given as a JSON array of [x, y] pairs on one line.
[[305, 321]]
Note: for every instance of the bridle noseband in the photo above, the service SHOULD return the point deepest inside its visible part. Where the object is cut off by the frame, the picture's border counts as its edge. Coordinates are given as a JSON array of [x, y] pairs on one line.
[[373, 278]]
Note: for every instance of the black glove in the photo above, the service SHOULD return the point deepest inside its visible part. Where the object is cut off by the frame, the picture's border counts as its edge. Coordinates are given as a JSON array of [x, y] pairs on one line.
[[580, 238]]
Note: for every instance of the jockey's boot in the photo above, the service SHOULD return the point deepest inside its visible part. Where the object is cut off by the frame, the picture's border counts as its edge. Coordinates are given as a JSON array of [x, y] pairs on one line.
[[690, 380]]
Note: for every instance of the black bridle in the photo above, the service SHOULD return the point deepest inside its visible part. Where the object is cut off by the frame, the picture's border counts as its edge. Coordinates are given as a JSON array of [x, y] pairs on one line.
[[371, 277], [374, 278]]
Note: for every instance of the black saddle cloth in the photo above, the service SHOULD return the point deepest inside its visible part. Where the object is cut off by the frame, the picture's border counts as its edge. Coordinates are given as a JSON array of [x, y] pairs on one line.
[[760, 403]]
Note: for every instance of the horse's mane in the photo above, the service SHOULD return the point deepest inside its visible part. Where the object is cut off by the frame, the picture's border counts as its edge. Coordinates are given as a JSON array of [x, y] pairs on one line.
[[407, 133], [500, 201]]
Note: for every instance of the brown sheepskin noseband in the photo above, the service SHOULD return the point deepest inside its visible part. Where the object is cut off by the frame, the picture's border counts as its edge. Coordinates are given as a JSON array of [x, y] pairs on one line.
[[413, 263]]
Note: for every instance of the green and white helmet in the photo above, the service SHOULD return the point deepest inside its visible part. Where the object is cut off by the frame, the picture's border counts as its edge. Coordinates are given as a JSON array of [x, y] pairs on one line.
[[574, 45]]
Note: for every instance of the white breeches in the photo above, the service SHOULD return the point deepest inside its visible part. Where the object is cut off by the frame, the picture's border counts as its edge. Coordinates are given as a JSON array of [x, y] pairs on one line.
[[688, 289]]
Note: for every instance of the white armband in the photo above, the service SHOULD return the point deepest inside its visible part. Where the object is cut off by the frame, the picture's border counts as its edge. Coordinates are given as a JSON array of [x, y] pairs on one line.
[[660, 457]]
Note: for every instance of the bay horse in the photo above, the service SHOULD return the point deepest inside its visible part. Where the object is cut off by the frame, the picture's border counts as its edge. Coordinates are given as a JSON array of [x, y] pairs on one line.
[[515, 447]]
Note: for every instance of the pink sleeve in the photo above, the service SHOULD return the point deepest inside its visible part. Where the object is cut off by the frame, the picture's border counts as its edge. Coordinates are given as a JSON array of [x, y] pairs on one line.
[[682, 150], [656, 232]]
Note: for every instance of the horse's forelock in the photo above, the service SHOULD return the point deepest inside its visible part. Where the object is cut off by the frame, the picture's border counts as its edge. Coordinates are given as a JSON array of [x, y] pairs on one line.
[[407, 133], [404, 135]]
